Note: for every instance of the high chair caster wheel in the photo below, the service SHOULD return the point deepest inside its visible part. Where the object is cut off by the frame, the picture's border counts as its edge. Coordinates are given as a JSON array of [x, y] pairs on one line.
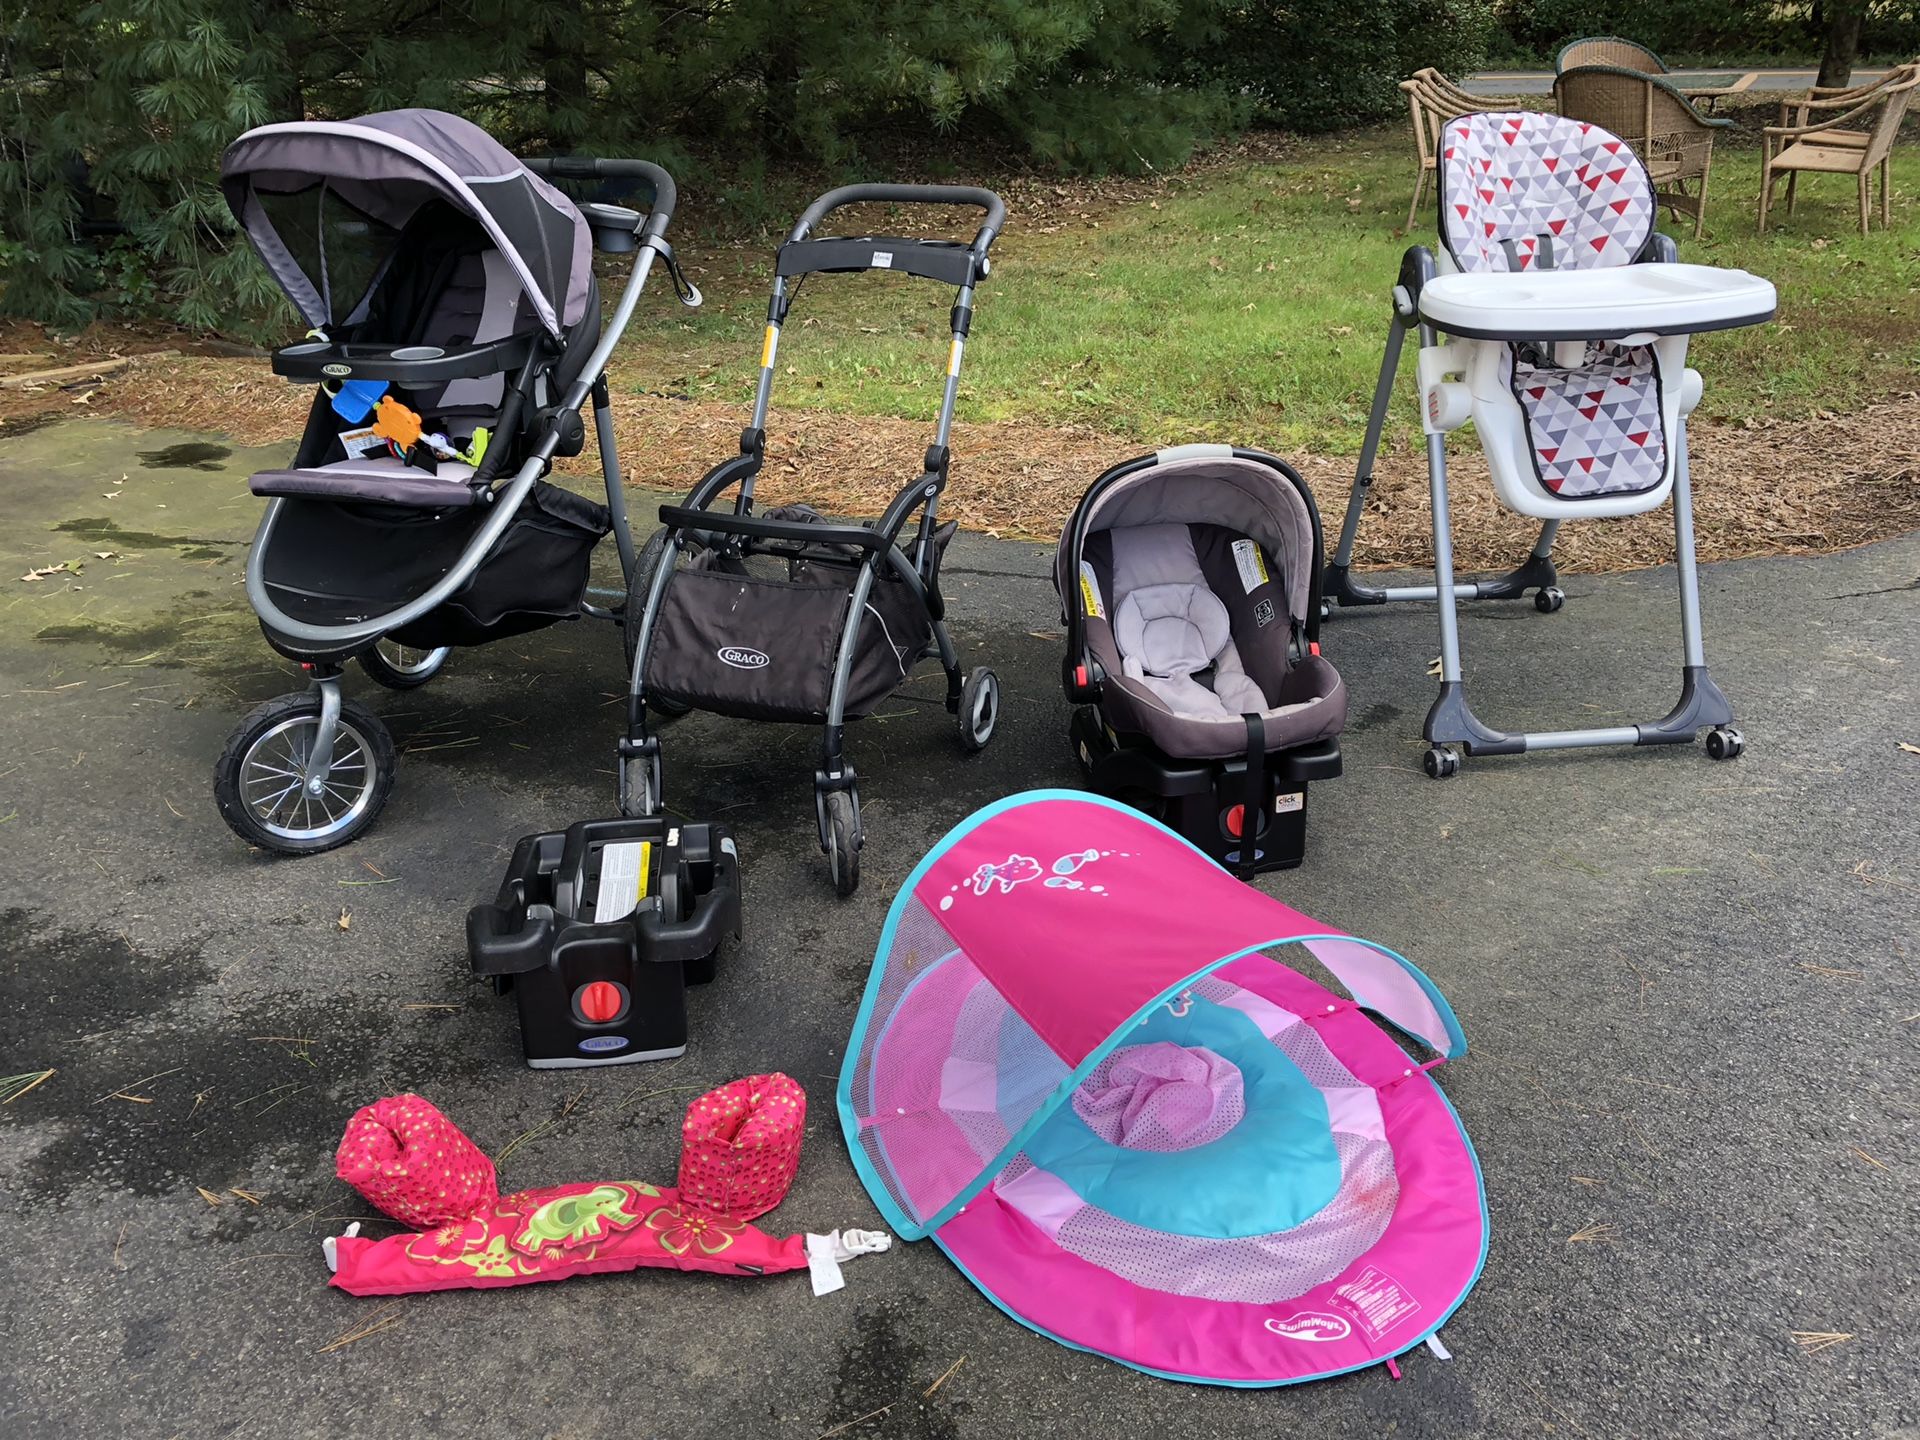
[[1725, 743], [843, 843], [260, 786], [1440, 762], [979, 710], [402, 667], [1549, 598]]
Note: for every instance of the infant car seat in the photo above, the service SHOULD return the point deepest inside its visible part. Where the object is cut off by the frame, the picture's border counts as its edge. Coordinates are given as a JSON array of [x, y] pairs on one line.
[[1191, 582]]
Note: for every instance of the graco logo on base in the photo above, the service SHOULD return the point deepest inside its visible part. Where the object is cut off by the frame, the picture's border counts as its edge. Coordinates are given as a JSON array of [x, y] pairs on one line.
[[742, 658], [602, 1043]]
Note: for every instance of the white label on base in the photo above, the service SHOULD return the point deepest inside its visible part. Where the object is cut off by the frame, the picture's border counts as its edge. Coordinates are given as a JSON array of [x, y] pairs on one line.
[[1251, 564], [623, 878], [1292, 800]]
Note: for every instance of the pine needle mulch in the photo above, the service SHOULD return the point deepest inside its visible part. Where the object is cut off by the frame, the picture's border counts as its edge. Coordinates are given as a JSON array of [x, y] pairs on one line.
[[1763, 488]]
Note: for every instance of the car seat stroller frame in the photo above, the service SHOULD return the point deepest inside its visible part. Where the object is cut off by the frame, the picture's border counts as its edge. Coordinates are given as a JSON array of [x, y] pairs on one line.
[[310, 727], [1464, 324], [865, 557]]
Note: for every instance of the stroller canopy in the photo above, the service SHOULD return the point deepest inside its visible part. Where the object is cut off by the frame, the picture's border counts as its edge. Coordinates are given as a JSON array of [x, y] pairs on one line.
[[1137, 1134], [325, 204]]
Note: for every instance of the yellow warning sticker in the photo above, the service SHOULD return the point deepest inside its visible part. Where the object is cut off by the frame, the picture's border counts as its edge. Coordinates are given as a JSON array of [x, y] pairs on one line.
[[646, 869], [1090, 593], [953, 357], [1251, 564], [771, 344]]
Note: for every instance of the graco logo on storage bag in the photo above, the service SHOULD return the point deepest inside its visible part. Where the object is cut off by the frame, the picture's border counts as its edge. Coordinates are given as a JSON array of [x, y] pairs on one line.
[[742, 658]]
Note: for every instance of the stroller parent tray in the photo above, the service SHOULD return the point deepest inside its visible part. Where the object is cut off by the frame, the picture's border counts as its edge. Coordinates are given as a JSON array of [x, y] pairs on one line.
[[598, 931], [1671, 299]]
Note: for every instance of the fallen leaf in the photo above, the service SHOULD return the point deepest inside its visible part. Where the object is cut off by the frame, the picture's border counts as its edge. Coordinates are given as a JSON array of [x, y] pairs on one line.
[[1433, 666], [346, 918], [209, 1196], [41, 572], [106, 554], [1910, 749]]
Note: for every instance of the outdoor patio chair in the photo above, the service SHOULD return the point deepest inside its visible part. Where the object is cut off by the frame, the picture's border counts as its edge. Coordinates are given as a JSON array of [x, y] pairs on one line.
[[1627, 55], [1432, 100], [1657, 120], [1837, 145]]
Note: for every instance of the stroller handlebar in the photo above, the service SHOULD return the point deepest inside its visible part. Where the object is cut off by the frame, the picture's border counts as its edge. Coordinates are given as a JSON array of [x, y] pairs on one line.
[[971, 195], [587, 167]]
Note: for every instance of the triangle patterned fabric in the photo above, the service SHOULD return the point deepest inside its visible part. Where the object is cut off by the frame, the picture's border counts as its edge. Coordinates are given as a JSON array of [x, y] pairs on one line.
[[1522, 191]]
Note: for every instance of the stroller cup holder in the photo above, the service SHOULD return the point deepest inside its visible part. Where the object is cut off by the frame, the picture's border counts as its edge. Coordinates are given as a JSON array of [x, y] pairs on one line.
[[599, 929]]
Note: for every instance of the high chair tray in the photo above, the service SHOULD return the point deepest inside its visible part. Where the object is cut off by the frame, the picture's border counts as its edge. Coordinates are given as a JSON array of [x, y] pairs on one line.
[[1656, 299]]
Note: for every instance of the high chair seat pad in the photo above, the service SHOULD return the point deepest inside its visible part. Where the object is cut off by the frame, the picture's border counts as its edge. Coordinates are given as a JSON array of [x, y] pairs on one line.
[[378, 480], [1594, 429]]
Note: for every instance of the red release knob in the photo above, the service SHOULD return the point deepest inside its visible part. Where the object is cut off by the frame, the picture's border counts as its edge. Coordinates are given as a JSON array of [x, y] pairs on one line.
[[1236, 821], [599, 1002]]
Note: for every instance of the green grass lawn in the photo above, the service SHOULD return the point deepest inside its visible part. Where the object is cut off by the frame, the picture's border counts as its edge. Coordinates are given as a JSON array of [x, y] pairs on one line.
[[1250, 304]]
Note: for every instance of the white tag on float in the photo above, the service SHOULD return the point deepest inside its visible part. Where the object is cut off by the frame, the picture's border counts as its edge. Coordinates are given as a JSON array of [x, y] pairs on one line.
[[1251, 564], [1440, 1352]]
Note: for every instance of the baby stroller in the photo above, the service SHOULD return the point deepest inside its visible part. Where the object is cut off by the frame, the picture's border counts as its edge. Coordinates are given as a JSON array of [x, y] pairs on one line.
[[786, 615], [1566, 316], [1190, 586], [456, 335]]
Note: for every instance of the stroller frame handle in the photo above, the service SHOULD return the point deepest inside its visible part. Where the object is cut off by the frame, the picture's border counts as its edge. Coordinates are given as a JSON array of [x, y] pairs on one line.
[[964, 195], [588, 167]]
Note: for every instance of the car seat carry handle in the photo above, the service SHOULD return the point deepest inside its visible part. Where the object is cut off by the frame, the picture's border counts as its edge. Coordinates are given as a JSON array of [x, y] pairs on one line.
[[972, 195], [587, 167]]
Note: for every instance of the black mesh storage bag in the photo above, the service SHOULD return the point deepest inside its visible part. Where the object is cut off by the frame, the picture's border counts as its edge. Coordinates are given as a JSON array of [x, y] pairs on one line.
[[763, 648], [535, 575]]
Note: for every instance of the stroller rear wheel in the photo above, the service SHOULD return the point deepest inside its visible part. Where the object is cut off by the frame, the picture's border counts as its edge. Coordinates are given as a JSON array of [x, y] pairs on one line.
[[402, 667], [843, 842], [638, 589], [263, 791], [979, 709]]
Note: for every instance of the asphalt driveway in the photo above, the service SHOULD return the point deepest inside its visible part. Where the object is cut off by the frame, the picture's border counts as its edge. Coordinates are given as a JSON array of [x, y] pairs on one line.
[[1690, 991]]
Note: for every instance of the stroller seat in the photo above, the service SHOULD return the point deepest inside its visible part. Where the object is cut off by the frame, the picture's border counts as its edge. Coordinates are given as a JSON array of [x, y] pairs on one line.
[[374, 479]]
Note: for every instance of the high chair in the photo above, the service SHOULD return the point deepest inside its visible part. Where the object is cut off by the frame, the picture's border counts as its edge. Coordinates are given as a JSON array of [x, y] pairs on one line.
[[1555, 319]]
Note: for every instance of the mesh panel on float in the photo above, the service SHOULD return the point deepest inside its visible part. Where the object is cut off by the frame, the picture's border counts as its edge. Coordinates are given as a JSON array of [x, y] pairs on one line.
[[941, 1084]]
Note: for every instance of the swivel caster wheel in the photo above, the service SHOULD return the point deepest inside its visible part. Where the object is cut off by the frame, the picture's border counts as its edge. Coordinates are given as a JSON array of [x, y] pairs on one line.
[[1725, 743], [1440, 762], [265, 794], [1326, 611], [1549, 598], [843, 842], [979, 710]]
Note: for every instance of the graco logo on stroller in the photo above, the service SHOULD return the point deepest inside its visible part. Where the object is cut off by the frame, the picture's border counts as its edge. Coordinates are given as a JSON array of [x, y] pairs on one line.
[[742, 658]]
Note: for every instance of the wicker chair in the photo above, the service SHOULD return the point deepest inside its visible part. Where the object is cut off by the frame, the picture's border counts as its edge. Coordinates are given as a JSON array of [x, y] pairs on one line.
[[1626, 55], [1657, 119], [1433, 100], [1839, 145]]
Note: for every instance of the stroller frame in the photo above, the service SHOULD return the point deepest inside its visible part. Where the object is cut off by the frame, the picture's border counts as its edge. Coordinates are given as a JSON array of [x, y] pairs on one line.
[[736, 533], [1451, 720], [324, 649]]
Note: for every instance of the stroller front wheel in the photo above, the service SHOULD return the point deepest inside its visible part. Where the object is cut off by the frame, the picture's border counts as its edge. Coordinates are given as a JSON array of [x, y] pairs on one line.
[[843, 843], [402, 667], [265, 794], [979, 709]]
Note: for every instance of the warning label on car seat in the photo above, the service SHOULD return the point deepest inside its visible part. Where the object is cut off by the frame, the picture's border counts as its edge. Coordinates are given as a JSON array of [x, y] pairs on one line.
[[623, 878], [1090, 593], [1251, 564]]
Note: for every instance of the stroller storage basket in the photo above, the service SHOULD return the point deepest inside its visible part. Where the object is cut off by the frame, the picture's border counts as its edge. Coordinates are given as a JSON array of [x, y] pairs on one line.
[[536, 574], [764, 649]]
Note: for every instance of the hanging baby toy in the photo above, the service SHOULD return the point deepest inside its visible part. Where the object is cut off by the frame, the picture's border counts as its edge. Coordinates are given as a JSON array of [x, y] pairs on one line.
[[742, 1147]]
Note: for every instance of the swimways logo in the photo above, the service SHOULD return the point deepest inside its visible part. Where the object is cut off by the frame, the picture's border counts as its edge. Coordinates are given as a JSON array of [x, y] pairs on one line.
[[1314, 1325], [742, 658]]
